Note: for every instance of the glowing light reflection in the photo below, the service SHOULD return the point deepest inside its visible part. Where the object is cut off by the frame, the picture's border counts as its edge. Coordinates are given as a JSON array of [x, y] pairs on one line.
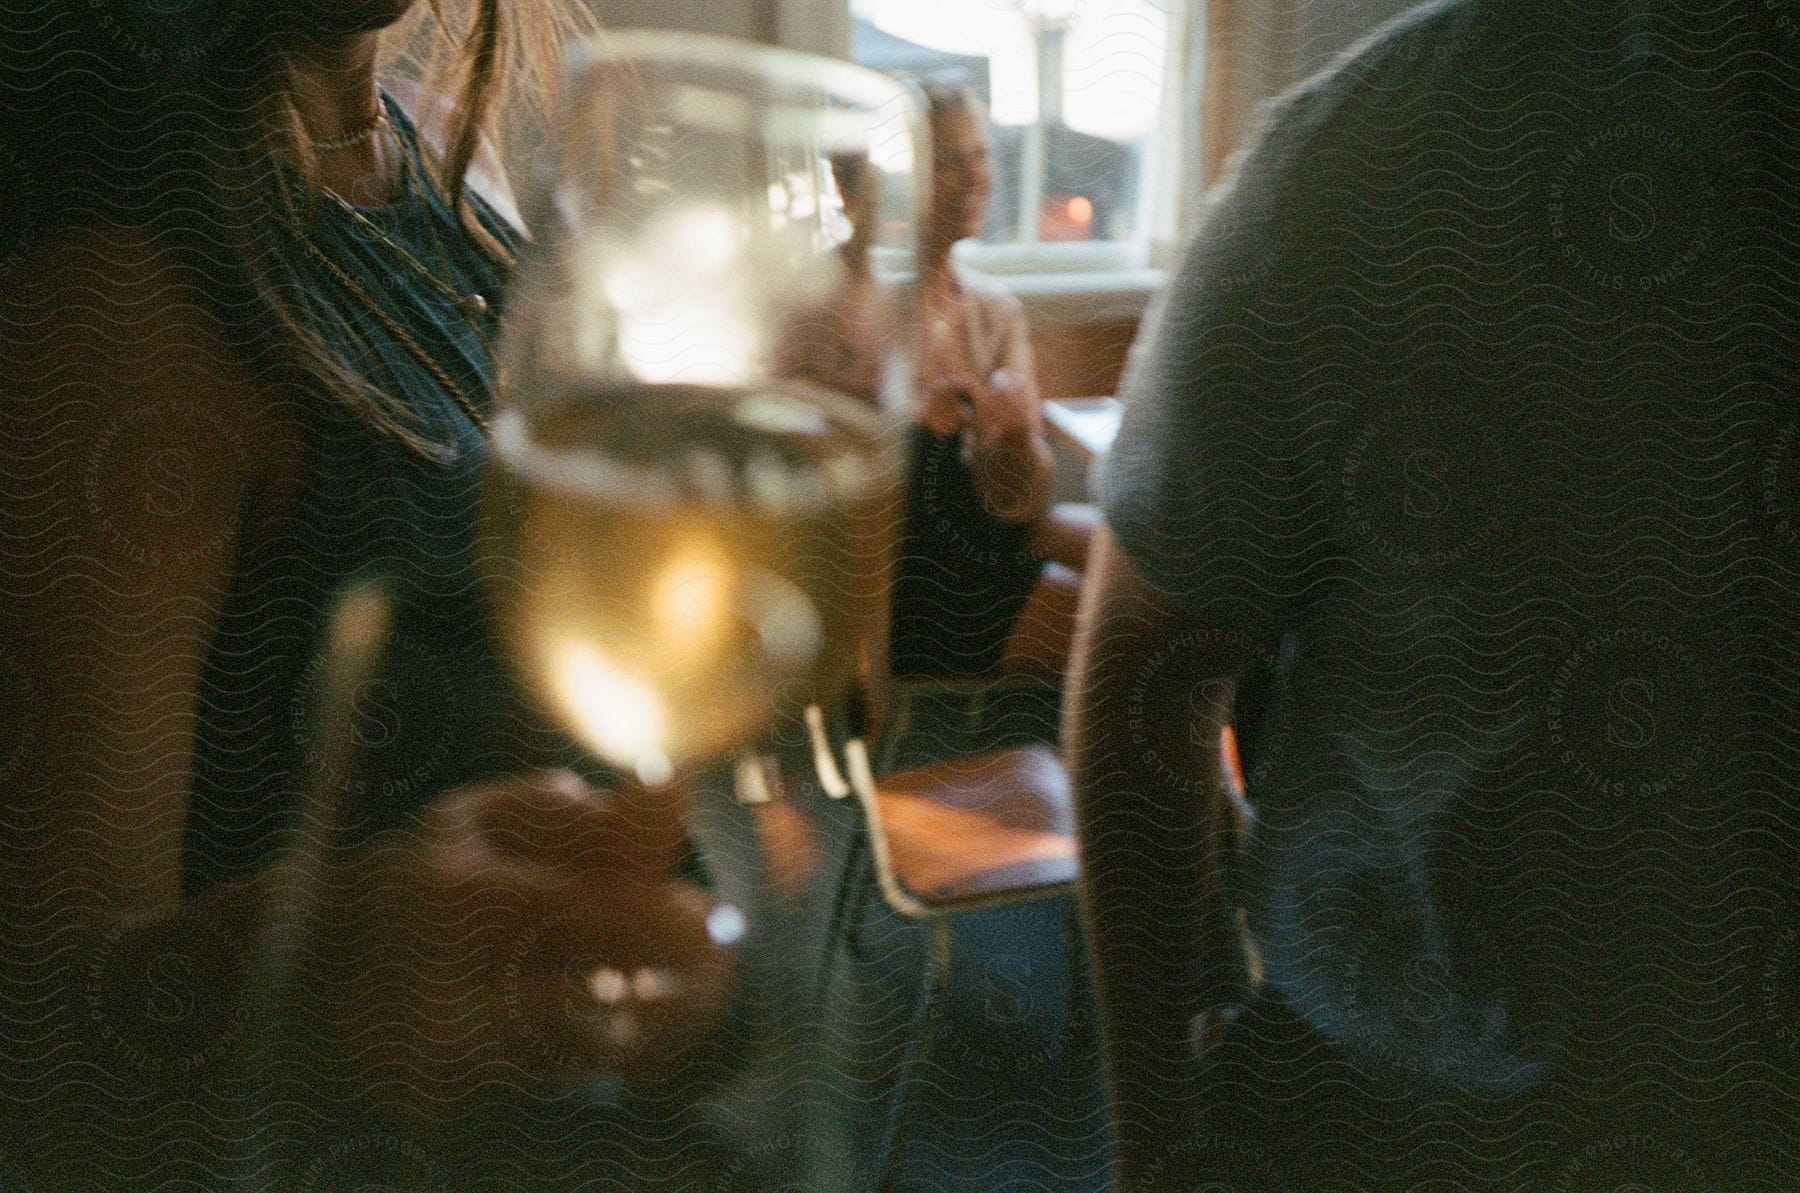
[[692, 602], [614, 713], [683, 310]]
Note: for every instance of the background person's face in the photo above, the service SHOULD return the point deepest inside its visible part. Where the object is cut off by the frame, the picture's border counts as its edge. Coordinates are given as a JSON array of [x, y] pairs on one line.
[[962, 173]]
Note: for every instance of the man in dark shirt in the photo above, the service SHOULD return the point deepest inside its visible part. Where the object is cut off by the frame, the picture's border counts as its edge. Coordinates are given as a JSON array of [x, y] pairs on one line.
[[1467, 432]]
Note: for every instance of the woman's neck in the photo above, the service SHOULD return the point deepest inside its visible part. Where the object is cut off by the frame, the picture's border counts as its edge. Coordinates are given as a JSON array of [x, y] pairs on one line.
[[937, 271], [336, 96], [934, 258], [334, 85]]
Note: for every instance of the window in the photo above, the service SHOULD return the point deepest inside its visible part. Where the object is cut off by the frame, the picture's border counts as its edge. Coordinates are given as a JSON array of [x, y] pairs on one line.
[[1081, 96]]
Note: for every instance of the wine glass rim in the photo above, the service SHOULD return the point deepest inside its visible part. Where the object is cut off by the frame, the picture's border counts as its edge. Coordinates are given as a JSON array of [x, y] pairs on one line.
[[583, 470], [847, 80]]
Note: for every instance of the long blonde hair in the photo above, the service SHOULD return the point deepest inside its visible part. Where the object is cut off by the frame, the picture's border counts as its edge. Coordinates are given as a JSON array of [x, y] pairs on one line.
[[183, 128], [496, 62]]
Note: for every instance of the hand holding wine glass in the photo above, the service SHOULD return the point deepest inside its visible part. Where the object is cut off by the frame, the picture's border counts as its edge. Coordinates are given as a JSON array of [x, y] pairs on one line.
[[682, 547], [524, 926]]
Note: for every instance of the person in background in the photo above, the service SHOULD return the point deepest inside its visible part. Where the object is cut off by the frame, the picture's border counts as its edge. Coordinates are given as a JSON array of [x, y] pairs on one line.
[[245, 347], [1469, 424], [977, 555], [988, 568]]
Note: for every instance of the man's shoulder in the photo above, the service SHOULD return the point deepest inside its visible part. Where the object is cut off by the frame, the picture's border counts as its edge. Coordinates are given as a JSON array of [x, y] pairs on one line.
[[1415, 40], [1421, 49], [1446, 26]]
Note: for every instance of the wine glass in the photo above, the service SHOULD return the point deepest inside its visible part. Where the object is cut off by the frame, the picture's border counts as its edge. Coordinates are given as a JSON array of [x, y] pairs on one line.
[[687, 528]]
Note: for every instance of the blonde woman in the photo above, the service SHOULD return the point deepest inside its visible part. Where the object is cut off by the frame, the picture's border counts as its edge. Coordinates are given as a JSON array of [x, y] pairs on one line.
[[246, 358], [988, 567]]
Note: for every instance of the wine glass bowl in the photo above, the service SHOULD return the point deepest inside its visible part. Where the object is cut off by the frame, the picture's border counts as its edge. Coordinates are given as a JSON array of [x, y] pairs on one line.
[[685, 542], [676, 607]]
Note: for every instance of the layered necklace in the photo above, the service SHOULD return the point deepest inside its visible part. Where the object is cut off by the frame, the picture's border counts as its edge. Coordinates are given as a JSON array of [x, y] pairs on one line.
[[377, 121], [471, 306]]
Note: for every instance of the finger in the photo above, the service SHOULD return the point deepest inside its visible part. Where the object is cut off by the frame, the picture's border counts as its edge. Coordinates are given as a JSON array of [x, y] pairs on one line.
[[675, 1001], [1007, 406], [980, 395], [534, 820], [665, 928], [1000, 410], [944, 412], [635, 1024], [648, 1037], [962, 412], [952, 384], [639, 832], [556, 820], [635, 834], [611, 922]]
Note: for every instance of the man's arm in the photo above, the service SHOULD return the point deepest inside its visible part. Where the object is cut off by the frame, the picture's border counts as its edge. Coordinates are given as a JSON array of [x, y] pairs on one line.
[[1152, 819]]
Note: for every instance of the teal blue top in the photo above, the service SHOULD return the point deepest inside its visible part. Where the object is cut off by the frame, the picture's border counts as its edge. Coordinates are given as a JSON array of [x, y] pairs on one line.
[[444, 711]]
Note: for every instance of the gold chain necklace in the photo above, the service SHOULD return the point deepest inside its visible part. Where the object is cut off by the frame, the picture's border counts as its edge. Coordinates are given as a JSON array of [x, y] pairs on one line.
[[403, 337], [472, 306]]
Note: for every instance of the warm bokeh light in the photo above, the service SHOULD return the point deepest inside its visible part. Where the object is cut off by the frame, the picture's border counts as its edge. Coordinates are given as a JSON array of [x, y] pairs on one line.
[[616, 715], [683, 315], [1066, 217], [691, 602]]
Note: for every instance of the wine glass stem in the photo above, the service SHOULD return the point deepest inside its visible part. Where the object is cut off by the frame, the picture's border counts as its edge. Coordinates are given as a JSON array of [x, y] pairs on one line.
[[752, 779]]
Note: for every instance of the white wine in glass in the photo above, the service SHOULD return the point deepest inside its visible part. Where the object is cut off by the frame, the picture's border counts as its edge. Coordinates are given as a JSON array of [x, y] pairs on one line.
[[690, 563], [685, 544]]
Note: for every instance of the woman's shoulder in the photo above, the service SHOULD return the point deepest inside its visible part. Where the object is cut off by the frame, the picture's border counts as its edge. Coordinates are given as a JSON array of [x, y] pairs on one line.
[[434, 116], [995, 309], [103, 288]]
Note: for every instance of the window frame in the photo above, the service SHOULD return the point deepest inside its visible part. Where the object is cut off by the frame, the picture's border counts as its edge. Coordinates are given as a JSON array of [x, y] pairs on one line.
[[1052, 277]]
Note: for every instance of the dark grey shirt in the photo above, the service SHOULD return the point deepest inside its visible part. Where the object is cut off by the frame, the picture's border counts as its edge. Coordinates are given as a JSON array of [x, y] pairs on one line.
[[1470, 417]]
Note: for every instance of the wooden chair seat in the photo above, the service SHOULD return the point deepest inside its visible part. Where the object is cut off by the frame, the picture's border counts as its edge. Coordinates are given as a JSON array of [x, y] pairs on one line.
[[959, 836], [992, 828]]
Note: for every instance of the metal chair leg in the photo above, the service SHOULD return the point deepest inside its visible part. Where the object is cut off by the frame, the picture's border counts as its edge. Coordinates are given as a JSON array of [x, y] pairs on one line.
[[926, 1020], [847, 893]]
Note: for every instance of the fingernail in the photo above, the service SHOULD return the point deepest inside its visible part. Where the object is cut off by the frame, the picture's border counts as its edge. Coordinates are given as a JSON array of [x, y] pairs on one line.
[[568, 782], [648, 985]]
